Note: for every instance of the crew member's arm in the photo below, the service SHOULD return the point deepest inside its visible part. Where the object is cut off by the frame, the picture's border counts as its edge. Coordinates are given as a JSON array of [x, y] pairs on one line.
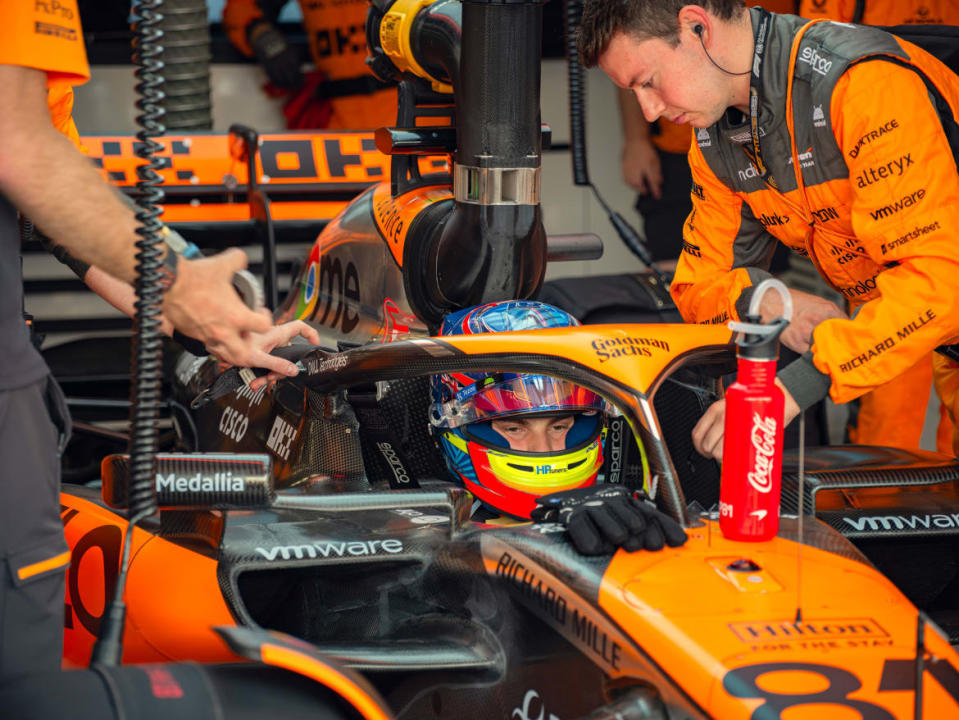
[[726, 251], [251, 28], [44, 176], [640, 162], [905, 213]]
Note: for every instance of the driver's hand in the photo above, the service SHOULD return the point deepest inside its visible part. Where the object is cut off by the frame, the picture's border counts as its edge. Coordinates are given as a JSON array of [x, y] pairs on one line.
[[203, 304], [600, 519]]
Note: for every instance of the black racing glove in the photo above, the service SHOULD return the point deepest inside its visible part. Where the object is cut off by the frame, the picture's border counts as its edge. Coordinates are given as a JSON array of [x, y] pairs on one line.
[[601, 518], [276, 56]]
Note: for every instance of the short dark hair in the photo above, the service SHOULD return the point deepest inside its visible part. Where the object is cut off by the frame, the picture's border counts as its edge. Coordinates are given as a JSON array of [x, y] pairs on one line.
[[644, 19]]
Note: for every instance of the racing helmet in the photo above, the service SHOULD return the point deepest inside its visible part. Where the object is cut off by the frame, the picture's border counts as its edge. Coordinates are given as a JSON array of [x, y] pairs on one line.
[[464, 405]]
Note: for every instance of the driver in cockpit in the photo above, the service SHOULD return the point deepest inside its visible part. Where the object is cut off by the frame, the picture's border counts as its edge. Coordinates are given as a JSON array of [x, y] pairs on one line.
[[530, 447]]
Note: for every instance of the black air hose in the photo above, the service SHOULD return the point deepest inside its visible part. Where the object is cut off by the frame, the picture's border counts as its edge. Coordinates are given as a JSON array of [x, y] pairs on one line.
[[577, 141], [148, 372], [577, 94], [147, 342]]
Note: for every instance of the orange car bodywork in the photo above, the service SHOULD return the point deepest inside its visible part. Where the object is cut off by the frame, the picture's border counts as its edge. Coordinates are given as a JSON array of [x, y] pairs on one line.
[[203, 183], [838, 640]]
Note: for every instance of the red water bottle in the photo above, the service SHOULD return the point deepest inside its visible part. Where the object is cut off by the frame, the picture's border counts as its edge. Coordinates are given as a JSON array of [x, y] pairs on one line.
[[753, 441]]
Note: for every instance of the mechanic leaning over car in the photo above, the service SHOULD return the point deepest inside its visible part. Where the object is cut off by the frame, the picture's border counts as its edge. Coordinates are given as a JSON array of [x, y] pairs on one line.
[[878, 208], [530, 447], [341, 93], [890, 415], [47, 179]]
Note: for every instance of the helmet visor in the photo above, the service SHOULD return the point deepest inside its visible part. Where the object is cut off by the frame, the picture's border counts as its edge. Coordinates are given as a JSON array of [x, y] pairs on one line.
[[499, 397]]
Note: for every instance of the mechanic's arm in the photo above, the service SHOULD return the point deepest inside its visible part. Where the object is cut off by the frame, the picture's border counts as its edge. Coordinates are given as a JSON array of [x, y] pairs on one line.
[[726, 251], [642, 170], [122, 296], [48, 179], [905, 214]]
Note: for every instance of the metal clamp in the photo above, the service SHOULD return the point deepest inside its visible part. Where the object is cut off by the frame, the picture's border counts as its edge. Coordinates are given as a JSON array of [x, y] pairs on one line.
[[496, 186]]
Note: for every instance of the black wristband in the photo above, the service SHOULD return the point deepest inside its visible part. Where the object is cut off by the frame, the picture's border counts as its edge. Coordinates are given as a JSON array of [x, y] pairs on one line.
[[191, 345]]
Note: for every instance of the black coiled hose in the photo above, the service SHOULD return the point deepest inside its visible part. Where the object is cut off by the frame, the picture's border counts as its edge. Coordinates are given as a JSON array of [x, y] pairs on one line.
[[573, 10], [577, 94], [147, 341], [148, 344]]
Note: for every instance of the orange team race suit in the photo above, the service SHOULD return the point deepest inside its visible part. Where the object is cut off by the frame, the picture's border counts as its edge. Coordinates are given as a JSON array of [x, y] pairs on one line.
[[894, 413], [883, 12], [337, 38], [34, 421], [877, 214]]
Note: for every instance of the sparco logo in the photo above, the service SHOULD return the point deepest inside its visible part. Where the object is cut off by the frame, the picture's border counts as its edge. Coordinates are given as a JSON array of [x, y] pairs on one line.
[[533, 709], [904, 522], [702, 138], [763, 439], [396, 465], [615, 449], [331, 549], [812, 58], [218, 482]]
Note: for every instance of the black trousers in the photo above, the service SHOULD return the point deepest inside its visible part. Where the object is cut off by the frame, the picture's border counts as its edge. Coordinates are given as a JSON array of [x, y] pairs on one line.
[[34, 427]]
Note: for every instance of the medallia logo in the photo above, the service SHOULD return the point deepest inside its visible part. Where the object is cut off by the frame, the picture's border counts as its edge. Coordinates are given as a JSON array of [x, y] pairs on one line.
[[763, 439], [218, 482]]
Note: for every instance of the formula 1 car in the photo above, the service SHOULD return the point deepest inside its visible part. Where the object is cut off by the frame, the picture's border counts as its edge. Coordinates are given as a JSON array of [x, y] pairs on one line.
[[317, 507]]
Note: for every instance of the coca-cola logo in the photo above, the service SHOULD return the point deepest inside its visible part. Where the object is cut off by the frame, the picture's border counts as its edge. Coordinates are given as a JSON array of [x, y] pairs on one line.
[[763, 438]]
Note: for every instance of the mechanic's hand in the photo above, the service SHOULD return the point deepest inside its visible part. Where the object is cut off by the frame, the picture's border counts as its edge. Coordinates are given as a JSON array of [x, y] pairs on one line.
[[203, 304], [709, 432], [276, 56], [642, 170], [808, 311], [278, 336], [602, 518]]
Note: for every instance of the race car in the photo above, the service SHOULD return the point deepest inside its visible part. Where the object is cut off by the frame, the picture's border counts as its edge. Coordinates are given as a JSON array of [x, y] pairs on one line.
[[449, 618], [274, 517]]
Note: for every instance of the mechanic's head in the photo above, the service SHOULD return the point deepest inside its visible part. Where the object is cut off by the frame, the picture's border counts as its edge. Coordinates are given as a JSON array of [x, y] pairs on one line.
[[661, 49], [507, 437]]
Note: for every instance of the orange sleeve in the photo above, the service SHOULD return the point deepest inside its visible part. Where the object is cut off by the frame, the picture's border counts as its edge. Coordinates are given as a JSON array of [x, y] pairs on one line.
[[237, 16], [905, 213], [46, 35], [725, 250]]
